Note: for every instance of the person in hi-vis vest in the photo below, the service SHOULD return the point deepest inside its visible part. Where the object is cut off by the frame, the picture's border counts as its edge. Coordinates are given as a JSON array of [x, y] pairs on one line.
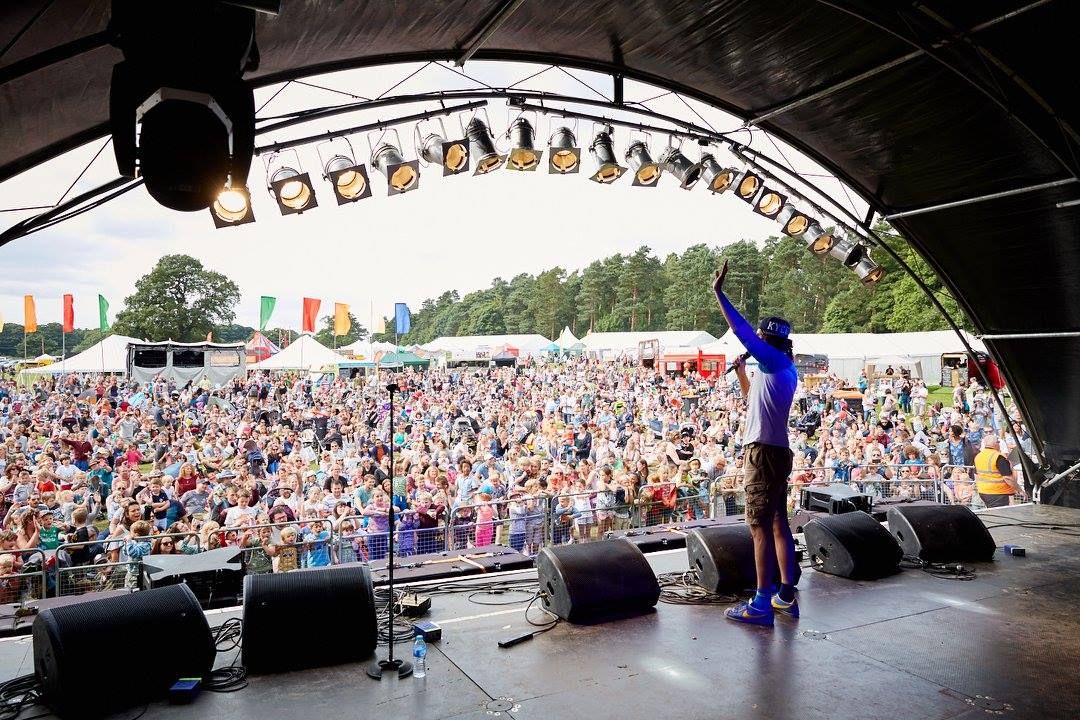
[[995, 480]]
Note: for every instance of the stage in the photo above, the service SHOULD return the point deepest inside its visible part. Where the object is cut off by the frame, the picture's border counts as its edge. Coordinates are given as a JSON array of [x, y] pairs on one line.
[[910, 646]]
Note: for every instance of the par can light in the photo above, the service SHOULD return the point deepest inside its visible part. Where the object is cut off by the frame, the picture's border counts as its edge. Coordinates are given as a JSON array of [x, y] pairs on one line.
[[646, 171], [683, 168], [718, 178], [482, 146], [608, 169], [292, 190], [523, 155], [793, 222], [564, 155]]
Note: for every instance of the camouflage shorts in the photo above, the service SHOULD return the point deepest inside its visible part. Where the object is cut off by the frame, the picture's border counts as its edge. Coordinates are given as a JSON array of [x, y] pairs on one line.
[[767, 471]]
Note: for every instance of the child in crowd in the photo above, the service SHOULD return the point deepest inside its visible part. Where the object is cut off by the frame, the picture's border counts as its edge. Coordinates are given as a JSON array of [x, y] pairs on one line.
[[485, 518], [286, 556], [136, 549]]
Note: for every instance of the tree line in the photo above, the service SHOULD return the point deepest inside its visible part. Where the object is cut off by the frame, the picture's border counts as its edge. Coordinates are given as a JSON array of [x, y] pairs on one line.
[[179, 299]]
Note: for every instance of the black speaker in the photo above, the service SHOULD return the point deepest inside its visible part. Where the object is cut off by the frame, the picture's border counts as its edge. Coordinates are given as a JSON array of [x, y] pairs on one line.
[[168, 619], [834, 499], [941, 533], [851, 545], [596, 581], [723, 558], [215, 576], [277, 605]]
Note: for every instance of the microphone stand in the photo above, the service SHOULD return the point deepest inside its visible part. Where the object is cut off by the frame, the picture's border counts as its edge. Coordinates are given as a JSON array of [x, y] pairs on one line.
[[403, 668]]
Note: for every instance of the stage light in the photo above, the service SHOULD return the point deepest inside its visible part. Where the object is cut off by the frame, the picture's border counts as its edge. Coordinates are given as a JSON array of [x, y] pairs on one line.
[[564, 156], [349, 180], [687, 171], [401, 175], [608, 169], [523, 154], [869, 272], [748, 185], [181, 115], [232, 207], [718, 177], [770, 203], [847, 251], [818, 240], [291, 188], [432, 147], [482, 146], [646, 170], [793, 223]]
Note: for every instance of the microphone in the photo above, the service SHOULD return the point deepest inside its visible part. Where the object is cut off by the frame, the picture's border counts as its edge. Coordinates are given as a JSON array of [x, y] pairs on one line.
[[735, 363]]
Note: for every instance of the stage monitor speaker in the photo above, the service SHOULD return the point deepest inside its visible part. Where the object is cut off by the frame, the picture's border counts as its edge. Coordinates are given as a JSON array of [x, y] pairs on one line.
[[215, 576], [941, 533], [834, 499], [723, 558], [277, 606], [597, 581], [852, 545], [132, 625]]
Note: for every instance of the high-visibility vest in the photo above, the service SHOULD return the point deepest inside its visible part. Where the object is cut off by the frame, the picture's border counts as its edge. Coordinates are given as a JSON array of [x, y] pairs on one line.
[[988, 481]]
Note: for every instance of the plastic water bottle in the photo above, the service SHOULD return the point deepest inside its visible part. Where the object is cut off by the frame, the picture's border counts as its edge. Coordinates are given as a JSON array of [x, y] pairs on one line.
[[419, 654]]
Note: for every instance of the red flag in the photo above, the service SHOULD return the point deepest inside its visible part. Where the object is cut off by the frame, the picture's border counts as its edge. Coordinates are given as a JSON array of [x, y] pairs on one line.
[[311, 312], [69, 313]]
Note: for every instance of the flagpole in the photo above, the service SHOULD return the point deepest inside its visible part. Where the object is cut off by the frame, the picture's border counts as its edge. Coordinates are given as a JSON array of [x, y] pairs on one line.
[[63, 353], [102, 346]]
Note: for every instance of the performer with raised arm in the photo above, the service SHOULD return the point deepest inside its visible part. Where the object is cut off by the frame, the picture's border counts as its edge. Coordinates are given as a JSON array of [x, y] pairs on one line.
[[767, 459]]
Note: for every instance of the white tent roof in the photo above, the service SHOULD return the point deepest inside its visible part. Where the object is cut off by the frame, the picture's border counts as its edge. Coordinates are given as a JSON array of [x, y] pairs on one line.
[[871, 345], [109, 355], [526, 344], [363, 347], [305, 353], [566, 338], [628, 341]]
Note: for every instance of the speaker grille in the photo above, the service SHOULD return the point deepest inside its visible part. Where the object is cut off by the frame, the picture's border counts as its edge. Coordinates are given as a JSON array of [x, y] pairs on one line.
[[852, 545], [274, 604], [167, 618], [596, 581]]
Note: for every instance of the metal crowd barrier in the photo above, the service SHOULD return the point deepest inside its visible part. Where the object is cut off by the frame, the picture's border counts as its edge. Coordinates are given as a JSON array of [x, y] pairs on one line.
[[27, 579], [107, 567]]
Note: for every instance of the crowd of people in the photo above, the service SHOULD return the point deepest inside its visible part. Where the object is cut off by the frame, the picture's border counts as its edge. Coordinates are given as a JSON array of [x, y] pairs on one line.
[[97, 473]]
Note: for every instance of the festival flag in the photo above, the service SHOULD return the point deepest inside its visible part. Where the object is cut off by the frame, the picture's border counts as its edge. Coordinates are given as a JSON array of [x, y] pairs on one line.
[[29, 315], [402, 319], [311, 312], [379, 326], [266, 309], [342, 324], [69, 313], [103, 313], [1, 322], [210, 336]]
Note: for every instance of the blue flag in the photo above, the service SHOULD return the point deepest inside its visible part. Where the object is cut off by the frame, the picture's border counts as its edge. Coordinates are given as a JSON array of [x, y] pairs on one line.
[[402, 318]]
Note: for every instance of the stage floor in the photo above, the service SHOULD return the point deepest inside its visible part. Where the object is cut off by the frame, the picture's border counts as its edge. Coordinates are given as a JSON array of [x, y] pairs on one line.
[[911, 646]]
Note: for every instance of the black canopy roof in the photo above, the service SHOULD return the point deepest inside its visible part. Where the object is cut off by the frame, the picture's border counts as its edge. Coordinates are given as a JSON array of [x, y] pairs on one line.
[[914, 104]]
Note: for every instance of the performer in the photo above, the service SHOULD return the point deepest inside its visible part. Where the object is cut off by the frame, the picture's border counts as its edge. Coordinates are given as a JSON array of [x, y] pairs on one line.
[[767, 460]]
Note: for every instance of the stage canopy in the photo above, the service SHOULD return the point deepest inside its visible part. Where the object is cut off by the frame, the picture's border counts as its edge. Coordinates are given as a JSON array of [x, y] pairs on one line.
[[107, 356], [918, 107]]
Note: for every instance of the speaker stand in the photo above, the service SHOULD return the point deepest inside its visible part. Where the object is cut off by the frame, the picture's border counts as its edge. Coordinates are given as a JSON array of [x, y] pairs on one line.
[[403, 668], [377, 667]]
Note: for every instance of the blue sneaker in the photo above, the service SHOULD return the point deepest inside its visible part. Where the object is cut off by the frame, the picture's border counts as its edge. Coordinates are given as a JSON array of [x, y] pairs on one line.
[[790, 609], [744, 612]]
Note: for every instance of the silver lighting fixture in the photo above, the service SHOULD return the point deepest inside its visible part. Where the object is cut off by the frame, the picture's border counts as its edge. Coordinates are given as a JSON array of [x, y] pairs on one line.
[[482, 145], [291, 188], [749, 185], [602, 148], [818, 240], [793, 222], [869, 272], [847, 251], [401, 175], [770, 203], [348, 178], [687, 171], [433, 148], [523, 154], [564, 154], [718, 171], [646, 170]]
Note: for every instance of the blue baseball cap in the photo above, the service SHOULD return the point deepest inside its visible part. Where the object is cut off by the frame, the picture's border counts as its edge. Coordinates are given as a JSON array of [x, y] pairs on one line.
[[777, 326]]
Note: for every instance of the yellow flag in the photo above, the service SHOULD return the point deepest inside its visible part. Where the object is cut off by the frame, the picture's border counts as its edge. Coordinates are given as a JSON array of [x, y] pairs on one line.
[[380, 325], [1, 322], [29, 315], [342, 324]]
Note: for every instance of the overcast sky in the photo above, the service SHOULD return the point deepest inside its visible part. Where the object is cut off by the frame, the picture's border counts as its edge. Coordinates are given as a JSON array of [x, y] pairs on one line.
[[453, 233]]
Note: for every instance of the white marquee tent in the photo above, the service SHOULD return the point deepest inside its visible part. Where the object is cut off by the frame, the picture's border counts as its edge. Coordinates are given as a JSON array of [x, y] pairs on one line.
[[109, 355], [567, 339], [305, 353], [468, 344], [849, 353], [617, 343], [366, 348]]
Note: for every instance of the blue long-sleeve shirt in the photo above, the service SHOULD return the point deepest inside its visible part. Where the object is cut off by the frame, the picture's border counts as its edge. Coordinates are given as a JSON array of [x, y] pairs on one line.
[[771, 389]]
